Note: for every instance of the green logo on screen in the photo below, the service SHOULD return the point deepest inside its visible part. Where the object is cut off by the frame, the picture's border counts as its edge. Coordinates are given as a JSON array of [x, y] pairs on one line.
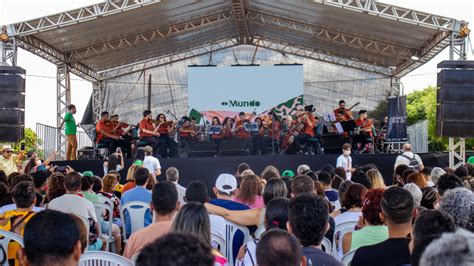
[[235, 103]]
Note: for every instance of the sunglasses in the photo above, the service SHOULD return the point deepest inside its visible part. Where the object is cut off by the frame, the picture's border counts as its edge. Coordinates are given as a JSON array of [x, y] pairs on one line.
[[8, 151]]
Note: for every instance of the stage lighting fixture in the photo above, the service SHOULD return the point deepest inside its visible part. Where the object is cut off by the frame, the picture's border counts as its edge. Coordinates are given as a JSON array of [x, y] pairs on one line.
[[415, 58]]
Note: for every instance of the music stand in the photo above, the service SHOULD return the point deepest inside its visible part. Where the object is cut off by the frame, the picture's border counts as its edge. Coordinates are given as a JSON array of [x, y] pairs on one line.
[[214, 130], [348, 126]]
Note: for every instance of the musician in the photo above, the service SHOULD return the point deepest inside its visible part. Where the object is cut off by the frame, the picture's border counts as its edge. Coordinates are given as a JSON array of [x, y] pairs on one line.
[[239, 130], [166, 129], [341, 113], [149, 134], [186, 132], [227, 128], [262, 139], [217, 135], [365, 134], [122, 130], [105, 135], [309, 122]]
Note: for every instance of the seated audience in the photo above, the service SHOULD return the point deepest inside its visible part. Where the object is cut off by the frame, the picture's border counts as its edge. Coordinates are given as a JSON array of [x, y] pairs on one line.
[[372, 230], [193, 219], [426, 172], [276, 217], [83, 233], [278, 248], [40, 178], [51, 238], [429, 198], [176, 249], [341, 172], [448, 181], [436, 173], [270, 172], [343, 188], [450, 249], [308, 221], [139, 193], [352, 204], [224, 189], [86, 190], [459, 203], [397, 212], [429, 225], [131, 176], [73, 203], [241, 168], [56, 187], [331, 194], [302, 184], [376, 179], [108, 188], [397, 175], [302, 169], [164, 205], [24, 198], [172, 175], [250, 192], [416, 193], [361, 177], [417, 179]]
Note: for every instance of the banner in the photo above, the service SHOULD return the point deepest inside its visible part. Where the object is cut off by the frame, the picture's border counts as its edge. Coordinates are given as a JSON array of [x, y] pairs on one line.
[[226, 91], [397, 119]]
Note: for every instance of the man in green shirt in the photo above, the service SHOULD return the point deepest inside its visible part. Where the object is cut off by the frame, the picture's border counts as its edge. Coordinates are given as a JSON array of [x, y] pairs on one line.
[[70, 131]]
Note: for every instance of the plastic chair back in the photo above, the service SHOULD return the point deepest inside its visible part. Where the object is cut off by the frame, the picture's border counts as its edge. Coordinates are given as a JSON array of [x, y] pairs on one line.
[[326, 243], [341, 230], [231, 230], [100, 210], [259, 232], [347, 258], [136, 213], [103, 258], [221, 244], [5, 242]]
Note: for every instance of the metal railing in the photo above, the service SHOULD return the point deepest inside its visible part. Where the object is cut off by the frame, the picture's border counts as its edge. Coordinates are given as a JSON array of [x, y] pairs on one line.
[[49, 137]]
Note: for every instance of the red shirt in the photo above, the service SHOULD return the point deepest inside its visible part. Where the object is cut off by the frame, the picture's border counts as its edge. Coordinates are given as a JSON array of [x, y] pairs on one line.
[[309, 129], [342, 115], [226, 132], [163, 129], [241, 133], [186, 133], [365, 124], [102, 126], [146, 124]]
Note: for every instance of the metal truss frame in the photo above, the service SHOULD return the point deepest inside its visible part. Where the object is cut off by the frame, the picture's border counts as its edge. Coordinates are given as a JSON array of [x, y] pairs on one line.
[[63, 92], [147, 37], [97, 88], [170, 58], [307, 52], [239, 12], [42, 49], [9, 51], [76, 16], [331, 36], [389, 11]]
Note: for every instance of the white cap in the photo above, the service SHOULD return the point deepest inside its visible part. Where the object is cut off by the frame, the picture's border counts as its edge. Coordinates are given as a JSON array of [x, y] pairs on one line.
[[6, 147], [226, 183]]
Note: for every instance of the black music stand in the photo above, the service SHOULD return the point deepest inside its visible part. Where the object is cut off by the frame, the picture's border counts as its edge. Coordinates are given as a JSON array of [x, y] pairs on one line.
[[348, 126]]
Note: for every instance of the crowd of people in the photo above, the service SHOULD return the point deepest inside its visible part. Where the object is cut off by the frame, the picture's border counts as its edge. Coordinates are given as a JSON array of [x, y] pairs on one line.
[[425, 216]]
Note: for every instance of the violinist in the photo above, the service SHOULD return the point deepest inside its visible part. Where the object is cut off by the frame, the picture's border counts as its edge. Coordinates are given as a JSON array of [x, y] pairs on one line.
[[186, 132], [217, 132], [275, 126], [105, 135], [122, 130], [342, 113], [149, 134], [227, 128], [238, 130], [364, 132], [307, 121], [262, 139], [167, 128]]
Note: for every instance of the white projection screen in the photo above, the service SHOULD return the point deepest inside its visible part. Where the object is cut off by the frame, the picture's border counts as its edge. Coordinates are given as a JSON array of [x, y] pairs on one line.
[[225, 91]]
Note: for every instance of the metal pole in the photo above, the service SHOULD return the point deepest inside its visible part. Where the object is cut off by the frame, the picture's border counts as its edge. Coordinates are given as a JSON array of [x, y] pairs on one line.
[[149, 92]]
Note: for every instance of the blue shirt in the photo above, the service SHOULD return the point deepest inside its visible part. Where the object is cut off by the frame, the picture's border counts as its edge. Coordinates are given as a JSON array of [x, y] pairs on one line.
[[136, 194], [332, 195], [229, 205]]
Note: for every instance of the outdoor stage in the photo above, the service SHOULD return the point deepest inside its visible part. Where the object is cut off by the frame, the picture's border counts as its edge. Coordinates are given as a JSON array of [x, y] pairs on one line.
[[207, 169]]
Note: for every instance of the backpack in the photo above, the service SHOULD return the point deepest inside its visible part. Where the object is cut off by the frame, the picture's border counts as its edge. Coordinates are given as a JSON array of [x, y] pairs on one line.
[[414, 164]]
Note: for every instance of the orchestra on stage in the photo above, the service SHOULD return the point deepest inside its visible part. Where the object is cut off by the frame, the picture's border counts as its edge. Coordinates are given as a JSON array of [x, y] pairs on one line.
[[301, 133]]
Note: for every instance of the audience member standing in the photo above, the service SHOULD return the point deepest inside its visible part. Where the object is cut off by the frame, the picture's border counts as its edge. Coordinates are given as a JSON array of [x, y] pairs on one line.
[[70, 131], [151, 163], [397, 212], [7, 160], [345, 160], [409, 158], [172, 175]]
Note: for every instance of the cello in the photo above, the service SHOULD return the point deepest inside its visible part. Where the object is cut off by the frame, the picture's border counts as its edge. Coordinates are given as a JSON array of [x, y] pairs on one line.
[[293, 132]]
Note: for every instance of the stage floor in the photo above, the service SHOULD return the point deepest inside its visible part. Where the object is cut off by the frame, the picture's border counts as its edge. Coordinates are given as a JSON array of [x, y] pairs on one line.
[[207, 169]]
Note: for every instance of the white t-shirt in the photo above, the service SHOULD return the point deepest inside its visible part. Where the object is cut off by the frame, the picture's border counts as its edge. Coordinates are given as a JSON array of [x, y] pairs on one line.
[[11, 207], [346, 163], [402, 160], [151, 163], [74, 204], [181, 193]]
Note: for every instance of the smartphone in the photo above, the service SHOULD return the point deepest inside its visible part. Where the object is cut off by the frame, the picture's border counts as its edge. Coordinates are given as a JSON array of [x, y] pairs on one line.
[[22, 146], [118, 150], [61, 169]]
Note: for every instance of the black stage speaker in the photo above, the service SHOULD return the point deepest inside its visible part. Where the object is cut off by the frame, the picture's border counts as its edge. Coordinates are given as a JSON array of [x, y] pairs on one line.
[[234, 147], [12, 103], [201, 149], [333, 143], [455, 99], [86, 154]]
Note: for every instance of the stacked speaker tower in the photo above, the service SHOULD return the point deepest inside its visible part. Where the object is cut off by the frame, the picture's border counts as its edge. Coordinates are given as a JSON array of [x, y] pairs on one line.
[[12, 103]]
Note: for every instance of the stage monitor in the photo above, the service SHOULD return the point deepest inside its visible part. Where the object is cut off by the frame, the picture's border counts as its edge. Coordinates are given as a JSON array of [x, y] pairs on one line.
[[226, 91]]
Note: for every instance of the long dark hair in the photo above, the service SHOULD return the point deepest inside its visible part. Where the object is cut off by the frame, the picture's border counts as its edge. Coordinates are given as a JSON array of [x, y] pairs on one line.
[[112, 163], [158, 117], [30, 165], [218, 120], [225, 120], [276, 213]]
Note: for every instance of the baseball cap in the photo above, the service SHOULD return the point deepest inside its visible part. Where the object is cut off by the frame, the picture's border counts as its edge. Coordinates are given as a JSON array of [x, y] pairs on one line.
[[87, 173], [226, 183], [6, 147], [287, 173], [138, 162]]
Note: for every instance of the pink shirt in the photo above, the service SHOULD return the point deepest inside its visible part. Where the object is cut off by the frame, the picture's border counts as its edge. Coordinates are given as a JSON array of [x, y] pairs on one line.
[[256, 205], [142, 237]]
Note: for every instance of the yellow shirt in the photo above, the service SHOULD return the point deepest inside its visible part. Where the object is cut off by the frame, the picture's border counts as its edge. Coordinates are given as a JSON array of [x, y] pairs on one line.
[[6, 224], [8, 165]]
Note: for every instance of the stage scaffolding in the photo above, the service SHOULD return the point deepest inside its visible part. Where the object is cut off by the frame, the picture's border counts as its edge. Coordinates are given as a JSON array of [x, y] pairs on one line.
[[363, 46]]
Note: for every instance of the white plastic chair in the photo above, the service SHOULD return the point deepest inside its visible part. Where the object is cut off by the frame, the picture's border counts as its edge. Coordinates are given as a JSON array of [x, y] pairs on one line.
[[326, 243], [231, 230], [259, 232], [135, 257], [93, 258], [347, 258], [100, 209], [136, 213], [220, 241], [5, 242], [341, 230]]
